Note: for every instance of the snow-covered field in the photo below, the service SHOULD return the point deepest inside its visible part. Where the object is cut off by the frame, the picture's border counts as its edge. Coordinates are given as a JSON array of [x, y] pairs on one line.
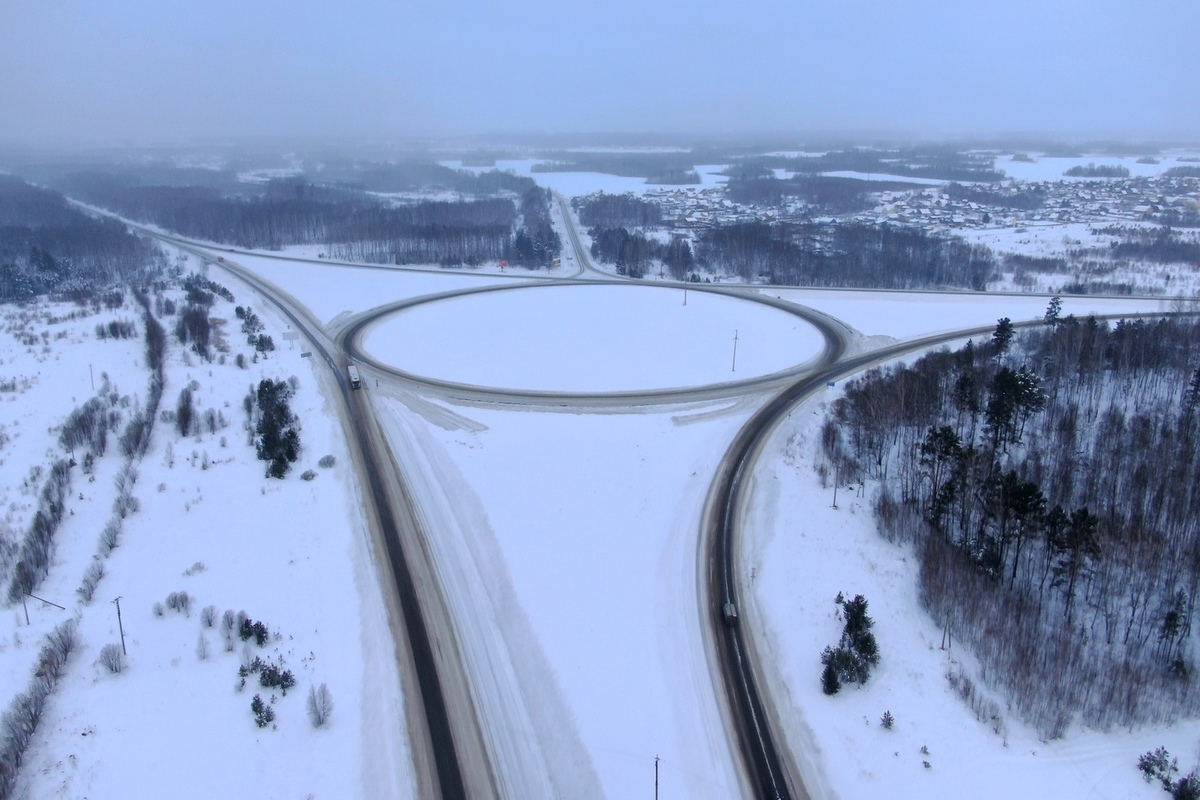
[[293, 554], [1051, 168], [567, 548], [593, 338]]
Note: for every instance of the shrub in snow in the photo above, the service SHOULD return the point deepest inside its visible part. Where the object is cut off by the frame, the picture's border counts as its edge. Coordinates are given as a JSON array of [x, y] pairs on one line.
[[112, 659], [308, 474], [1157, 765], [327, 461], [110, 537], [202, 648], [208, 616], [857, 651], [228, 621], [263, 713], [20, 720], [158, 609], [91, 577], [887, 720], [180, 601], [250, 628], [829, 680], [320, 705], [271, 676]]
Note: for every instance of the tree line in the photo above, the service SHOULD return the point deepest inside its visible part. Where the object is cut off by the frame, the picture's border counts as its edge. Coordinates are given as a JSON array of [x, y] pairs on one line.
[[49, 246], [350, 223], [1047, 484], [634, 254], [850, 255], [602, 210]]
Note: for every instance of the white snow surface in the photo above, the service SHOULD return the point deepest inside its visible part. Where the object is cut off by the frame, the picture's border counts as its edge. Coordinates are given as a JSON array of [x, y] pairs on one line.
[[1051, 168], [584, 526], [291, 553], [567, 550], [573, 184], [593, 338]]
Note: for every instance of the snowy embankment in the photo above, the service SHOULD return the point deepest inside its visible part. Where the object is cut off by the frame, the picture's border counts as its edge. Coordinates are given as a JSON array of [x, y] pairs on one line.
[[291, 553]]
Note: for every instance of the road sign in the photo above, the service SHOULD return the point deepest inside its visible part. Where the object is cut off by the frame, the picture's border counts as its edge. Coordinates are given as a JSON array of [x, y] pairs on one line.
[[306, 355]]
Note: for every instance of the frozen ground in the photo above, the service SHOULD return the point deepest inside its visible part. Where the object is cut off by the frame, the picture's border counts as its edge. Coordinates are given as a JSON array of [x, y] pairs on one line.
[[1051, 168], [593, 338], [572, 184], [291, 553]]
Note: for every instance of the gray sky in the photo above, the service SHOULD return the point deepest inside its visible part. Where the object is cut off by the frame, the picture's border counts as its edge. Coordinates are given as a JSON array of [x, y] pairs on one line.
[[159, 71]]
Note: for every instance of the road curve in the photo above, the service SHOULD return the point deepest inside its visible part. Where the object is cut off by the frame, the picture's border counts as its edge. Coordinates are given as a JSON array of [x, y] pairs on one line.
[[450, 727], [835, 334], [767, 768]]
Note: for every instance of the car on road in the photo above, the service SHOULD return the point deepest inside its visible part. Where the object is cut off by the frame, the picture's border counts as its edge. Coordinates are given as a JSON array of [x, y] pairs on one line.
[[729, 612]]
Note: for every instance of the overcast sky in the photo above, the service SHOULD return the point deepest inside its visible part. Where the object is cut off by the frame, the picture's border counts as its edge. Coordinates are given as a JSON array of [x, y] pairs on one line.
[[163, 71]]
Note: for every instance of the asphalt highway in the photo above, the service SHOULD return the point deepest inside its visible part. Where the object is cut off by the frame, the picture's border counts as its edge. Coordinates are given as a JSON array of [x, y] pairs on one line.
[[451, 758]]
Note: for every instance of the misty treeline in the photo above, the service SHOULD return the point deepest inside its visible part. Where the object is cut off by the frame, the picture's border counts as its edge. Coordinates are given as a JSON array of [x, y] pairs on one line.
[[47, 246], [1047, 483], [635, 254], [602, 210], [825, 194], [1163, 245], [926, 161], [665, 167], [1020, 197], [351, 223], [855, 255]]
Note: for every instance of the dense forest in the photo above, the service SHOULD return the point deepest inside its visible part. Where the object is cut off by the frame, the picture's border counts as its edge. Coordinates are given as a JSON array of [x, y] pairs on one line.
[[616, 211], [1047, 482], [850, 255], [1027, 198], [635, 254], [49, 246], [824, 194], [1093, 170], [666, 167], [351, 223]]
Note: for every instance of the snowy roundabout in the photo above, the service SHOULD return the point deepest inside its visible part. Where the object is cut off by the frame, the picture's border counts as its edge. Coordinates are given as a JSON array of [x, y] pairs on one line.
[[589, 340]]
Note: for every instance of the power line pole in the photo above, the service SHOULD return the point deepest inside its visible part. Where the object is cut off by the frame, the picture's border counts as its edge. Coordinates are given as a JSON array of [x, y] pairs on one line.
[[735, 340], [121, 626], [656, 760]]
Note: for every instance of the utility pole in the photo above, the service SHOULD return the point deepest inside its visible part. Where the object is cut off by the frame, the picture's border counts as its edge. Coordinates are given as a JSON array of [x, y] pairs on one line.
[[734, 367], [836, 473], [92, 375], [656, 760], [121, 626], [685, 294]]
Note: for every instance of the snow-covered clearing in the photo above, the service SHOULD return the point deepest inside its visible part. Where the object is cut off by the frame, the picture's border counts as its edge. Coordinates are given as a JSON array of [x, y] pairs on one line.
[[568, 546], [1051, 168], [593, 338], [293, 554], [573, 184]]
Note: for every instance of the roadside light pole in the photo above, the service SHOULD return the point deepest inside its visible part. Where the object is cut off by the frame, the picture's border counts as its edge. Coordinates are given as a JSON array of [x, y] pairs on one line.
[[735, 341]]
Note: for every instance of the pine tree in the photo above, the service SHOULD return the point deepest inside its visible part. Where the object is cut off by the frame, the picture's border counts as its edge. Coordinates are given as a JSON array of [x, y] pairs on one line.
[[829, 680]]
